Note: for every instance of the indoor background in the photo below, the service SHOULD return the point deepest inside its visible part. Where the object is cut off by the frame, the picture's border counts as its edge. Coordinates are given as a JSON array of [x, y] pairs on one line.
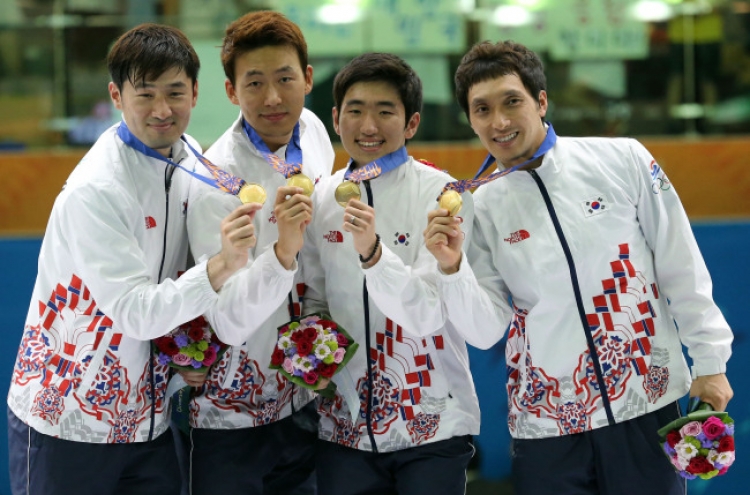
[[673, 74]]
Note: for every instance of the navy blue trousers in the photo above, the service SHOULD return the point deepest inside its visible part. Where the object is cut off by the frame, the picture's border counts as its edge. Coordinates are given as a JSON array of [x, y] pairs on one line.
[[434, 468], [42, 464], [273, 459], [623, 459]]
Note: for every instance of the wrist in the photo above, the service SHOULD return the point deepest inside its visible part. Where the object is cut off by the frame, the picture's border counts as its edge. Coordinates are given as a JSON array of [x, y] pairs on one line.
[[450, 269], [372, 253], [285, 257]]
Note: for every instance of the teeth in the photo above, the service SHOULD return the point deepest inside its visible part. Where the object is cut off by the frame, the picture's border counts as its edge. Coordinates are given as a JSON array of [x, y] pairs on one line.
[[506, 138], [370, 145]]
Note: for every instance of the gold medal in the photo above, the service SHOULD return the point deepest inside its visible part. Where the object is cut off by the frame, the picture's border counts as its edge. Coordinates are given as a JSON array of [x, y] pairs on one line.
[[302, 181], [347, 190], [450, 200], [252, 193]]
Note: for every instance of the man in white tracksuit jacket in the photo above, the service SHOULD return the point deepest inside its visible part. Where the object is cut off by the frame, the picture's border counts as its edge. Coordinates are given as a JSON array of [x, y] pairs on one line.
[[405, 407], [87, 406], [246, 435], [586, 256]]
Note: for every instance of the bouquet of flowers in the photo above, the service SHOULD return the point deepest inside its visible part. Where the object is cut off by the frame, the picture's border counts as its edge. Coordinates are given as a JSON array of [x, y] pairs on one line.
[[700, 444], [311, 350], [192, 346]]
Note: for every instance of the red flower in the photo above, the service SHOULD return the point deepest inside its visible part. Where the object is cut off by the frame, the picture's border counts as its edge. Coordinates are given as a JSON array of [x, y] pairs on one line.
[[726, 444], [310, 377], [196, 334], [699, 465], [673, 437], [277, 358], [327, 324], [341, 339], [310, 334], [167, 346], [304, 347], [296, 337], [327, 370]]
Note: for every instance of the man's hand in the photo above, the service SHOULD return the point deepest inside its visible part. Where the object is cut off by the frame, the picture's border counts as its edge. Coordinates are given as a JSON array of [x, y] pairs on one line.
[[237, 237], [293, 212], [713, 389], [444, 238], [194, 378], [359, 219]]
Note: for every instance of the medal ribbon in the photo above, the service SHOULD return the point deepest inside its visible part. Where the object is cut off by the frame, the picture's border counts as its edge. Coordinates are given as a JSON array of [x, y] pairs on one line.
[[376, 167], [293, 164], [222, 179], [466, 184]]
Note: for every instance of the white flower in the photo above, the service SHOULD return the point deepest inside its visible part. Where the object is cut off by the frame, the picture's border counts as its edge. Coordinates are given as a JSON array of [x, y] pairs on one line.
[[685, 450], [322, 351], [284, 342]]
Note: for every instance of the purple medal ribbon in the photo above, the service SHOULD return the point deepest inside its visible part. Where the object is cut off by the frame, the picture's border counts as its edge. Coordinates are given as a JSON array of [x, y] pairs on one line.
[[222, 179], [293, 164], [376, 167], [465, 184]]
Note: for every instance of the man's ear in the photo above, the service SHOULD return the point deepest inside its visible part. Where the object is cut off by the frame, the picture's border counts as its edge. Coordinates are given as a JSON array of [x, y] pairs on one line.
[[335, 113], [412, 125]]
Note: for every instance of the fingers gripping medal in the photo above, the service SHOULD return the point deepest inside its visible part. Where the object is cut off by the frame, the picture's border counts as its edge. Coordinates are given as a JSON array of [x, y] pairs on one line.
[[302, 181], [252, 193], [451, 200], [347, 190]]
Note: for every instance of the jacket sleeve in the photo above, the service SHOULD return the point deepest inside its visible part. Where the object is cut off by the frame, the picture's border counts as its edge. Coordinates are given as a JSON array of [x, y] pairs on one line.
[[313, 274], [680, 269], [254, 292], [409, 294], [95, 223], [476, 298]]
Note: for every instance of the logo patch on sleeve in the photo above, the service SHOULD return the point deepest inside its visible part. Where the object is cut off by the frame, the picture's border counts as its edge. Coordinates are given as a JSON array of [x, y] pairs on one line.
[[594, 206]]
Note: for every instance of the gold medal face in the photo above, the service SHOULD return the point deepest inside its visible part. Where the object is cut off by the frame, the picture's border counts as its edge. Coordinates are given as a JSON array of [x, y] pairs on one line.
[[450, 200], [302, 181], [252, 193], [347, 190]]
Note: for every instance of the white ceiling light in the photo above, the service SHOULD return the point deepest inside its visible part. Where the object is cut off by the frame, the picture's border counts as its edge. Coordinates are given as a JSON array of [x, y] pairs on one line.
[[339, 14], [511, 15], [651, 11]]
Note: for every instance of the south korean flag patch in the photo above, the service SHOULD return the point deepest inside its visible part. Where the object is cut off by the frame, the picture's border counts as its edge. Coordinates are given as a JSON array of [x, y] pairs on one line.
[[594, 206]]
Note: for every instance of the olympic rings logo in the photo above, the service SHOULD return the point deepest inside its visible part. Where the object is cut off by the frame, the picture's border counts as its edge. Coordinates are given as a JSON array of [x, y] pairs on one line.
[[660, 184]]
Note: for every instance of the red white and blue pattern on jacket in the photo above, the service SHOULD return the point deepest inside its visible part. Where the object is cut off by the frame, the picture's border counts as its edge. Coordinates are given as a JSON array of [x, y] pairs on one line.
[[624, 351]]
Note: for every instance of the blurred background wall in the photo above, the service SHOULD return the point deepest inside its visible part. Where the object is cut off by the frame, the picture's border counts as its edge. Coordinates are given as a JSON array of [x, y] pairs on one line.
[[674, 74]]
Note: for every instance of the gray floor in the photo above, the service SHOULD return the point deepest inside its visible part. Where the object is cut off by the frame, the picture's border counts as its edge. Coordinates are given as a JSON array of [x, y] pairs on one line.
[[485, 487]]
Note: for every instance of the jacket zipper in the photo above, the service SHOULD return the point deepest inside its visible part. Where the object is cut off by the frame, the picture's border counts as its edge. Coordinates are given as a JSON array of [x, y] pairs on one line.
[[370, 380], [579, 298], [168, 171]]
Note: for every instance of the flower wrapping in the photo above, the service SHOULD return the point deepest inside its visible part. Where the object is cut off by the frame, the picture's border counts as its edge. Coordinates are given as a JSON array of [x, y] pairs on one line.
[[701, 443], [192, 346], [312, 349]]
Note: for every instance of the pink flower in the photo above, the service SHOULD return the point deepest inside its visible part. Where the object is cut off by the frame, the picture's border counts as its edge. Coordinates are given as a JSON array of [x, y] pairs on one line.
[[692, 429], [181, 359], [679, 462], [713, 428], [338, 355], [310, 377], [209, 356], [288, 366]]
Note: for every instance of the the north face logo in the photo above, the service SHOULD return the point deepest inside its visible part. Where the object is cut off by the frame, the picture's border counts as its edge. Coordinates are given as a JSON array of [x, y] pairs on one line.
[[517, 237], [150, 223], [334, 236]]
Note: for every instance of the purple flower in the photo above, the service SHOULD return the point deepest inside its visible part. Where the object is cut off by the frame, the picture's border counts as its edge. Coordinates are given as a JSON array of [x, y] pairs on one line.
[[181, 340], [668, 449], [729, 430], [705, 442], [164, 359], [196, 364], [687, 475]]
